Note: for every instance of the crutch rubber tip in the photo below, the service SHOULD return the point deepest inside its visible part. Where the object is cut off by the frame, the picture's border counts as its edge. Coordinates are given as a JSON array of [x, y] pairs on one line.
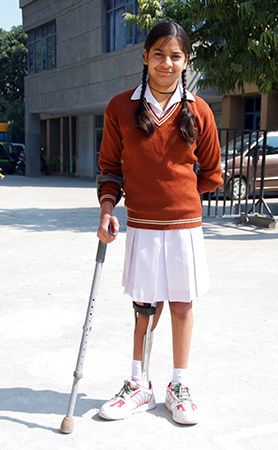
[[67, 425]]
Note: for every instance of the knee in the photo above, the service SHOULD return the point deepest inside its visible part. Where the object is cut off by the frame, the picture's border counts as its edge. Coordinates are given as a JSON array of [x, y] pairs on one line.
[[180, 310], [142, 319]]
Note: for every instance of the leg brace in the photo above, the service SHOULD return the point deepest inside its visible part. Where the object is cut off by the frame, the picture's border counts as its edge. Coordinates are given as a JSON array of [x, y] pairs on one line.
[[147, 310]]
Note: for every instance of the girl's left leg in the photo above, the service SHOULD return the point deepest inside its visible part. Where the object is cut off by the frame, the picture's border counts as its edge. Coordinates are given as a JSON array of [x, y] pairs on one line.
[[182, 325], [178, 398]]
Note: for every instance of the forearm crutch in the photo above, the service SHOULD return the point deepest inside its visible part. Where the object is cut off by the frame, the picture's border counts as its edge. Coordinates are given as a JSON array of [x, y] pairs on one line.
[[68, 422], [148, 310]]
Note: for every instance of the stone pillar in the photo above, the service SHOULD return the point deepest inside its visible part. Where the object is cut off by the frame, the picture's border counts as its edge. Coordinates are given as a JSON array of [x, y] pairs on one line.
[[32, 139], [269, 107], [232, 111]]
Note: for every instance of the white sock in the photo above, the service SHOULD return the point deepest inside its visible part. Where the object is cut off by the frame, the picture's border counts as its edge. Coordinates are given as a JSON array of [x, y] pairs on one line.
[[180, 376], [136, 371]]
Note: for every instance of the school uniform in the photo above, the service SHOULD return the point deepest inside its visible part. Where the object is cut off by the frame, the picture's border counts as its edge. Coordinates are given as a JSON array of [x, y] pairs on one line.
[[165, 257]]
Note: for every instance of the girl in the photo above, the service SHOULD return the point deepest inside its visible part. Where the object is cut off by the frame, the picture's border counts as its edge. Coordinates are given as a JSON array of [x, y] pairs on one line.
[[153, 136]]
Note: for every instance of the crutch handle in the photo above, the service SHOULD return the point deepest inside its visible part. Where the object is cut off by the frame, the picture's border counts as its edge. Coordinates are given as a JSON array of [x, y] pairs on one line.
[[111, 230], [101, 250]]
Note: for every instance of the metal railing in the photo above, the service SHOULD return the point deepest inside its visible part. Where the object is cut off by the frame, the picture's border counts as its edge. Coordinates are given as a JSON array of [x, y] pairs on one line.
[[243, 162]]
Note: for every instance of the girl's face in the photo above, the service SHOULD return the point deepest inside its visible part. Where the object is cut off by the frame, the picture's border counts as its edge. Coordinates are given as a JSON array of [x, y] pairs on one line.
[[166, 60]]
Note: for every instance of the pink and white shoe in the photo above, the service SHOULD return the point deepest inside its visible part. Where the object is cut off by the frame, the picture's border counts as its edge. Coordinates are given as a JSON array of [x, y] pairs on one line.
[[132, 398], [179, 402]]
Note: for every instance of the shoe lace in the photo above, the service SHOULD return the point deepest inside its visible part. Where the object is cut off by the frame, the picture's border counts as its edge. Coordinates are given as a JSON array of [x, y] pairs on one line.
[[182, 392], [125, 390]]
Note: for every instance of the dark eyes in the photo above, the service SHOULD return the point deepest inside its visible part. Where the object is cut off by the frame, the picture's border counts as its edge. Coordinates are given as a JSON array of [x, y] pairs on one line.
[[173, 56]]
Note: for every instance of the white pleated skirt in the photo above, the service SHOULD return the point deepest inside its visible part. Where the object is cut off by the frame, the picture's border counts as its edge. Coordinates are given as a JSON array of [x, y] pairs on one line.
[[165, 265]]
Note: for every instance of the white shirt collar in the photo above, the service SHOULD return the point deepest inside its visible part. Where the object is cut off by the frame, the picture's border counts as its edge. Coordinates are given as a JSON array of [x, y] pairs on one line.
[[176, 97]]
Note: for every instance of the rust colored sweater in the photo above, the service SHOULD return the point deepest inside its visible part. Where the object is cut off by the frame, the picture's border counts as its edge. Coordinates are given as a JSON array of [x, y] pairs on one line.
[[161, 189]]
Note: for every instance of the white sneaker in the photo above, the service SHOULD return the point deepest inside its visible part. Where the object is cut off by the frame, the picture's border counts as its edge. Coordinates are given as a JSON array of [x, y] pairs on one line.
[[132, 398], [178, 401]]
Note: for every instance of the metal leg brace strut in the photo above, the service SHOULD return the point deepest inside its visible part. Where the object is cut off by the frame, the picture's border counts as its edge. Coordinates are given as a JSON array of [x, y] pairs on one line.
[[147, 310]]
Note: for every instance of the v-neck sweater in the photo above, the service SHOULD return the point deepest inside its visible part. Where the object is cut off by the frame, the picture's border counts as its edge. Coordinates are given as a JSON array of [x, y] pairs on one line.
[[161, 189]]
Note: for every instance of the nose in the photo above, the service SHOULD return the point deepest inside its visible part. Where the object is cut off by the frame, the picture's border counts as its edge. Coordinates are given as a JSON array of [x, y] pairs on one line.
[[167, 61]]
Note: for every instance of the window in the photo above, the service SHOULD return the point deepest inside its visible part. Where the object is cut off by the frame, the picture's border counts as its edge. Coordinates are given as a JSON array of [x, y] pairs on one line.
[[252, 113], [272, 145], [42, 48], [119, 33]]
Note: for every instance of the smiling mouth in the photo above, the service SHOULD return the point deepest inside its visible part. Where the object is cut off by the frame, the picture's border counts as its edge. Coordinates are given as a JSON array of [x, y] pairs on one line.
[[166, 72]]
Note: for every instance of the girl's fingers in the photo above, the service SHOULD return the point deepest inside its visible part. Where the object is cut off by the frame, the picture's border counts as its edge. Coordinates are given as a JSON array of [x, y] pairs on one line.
[[103, 231]]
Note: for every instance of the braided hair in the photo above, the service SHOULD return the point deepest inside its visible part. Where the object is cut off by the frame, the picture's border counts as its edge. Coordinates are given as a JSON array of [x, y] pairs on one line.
[[186, 118], [144, 120]]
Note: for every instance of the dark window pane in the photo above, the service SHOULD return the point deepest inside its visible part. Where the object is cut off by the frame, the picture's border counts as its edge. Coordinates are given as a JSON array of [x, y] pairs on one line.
[[51, 28], [120, 34], [99, 121], [248, 122], [44, 54], [140, 34], [31, 36], [38, 34], [31, 63], [258, 103], [120, 30], [110, 32], [38, 53], [257, 121], [119, 3], [51, 52], [44, 31], [249, 104]]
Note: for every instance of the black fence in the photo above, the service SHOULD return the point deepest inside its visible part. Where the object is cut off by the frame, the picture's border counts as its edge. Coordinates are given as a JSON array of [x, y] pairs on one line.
[[249, 161]]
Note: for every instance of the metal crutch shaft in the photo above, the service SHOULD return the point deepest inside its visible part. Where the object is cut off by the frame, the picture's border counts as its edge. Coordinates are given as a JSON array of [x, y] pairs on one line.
[[68, 423]]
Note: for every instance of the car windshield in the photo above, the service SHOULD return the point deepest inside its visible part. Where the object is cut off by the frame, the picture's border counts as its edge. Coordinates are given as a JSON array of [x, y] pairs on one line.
[[240, 144]]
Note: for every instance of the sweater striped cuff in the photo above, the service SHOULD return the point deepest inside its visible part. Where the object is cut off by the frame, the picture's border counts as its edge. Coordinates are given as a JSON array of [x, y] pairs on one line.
[[109, 198]]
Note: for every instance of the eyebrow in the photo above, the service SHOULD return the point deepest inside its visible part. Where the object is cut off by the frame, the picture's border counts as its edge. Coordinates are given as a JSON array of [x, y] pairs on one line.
[[161, 50]]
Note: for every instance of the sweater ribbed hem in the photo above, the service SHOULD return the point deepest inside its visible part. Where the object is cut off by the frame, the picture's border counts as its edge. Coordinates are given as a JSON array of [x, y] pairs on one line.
[[172, 226]]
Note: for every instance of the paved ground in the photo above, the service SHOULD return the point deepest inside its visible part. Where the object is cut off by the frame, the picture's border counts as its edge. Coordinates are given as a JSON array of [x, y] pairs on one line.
[[47, 247]]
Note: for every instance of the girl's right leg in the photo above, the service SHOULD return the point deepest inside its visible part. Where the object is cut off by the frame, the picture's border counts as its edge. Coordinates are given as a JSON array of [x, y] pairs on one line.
[[133, 397], [141, 328]]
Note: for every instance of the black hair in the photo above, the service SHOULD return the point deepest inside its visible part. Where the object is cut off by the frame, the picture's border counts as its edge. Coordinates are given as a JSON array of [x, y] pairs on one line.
[[144, 120]]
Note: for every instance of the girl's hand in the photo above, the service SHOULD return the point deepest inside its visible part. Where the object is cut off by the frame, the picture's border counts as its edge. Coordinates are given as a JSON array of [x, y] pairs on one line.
[[103, 230]]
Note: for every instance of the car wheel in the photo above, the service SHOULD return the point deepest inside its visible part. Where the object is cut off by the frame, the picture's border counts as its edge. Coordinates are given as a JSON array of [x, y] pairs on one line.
[[237, 189]]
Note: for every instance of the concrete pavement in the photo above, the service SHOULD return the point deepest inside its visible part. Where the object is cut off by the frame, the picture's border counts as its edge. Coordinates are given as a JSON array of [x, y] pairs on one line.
[[47, 250]]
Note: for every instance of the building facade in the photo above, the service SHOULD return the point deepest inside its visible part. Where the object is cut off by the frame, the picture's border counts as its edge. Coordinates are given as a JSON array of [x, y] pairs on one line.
[[252, 110], [80, 54]]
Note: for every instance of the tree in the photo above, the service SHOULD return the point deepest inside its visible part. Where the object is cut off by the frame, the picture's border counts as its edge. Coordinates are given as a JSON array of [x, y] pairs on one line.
[[234, 42], [13, 63]]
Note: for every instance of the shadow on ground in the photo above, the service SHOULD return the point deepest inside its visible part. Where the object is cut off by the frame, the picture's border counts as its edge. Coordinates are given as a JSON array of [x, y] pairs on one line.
[[85, 220], [48, 181], [26, 400], [81, 220]]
